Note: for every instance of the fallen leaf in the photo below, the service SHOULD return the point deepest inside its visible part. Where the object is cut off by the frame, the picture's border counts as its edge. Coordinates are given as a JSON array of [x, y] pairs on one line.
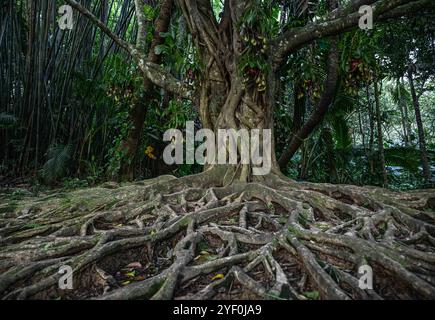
[[218, 276]]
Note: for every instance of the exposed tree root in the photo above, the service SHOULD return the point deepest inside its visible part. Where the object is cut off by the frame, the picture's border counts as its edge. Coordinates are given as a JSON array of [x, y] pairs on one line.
[[174, 238]]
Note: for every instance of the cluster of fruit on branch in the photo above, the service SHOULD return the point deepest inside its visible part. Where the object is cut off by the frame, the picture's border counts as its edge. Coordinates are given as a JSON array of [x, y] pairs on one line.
[[255, 51], [357, 73]]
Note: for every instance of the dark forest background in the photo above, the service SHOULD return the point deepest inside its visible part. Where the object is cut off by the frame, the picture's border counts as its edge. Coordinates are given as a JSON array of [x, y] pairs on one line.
[[66, 100]]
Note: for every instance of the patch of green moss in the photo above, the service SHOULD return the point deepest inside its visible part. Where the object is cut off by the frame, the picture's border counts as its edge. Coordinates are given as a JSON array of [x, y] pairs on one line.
[[184, 222], [294, 231], [9, 208], [32, 225]]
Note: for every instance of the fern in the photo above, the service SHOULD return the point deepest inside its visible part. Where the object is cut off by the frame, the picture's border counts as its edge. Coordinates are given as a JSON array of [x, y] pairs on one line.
[[400, 94], [59, 157], [7, 120], [406, 157], [342, 107]]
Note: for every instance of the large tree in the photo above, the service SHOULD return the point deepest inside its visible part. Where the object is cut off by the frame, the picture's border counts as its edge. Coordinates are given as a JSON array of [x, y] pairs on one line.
[[269, 235]]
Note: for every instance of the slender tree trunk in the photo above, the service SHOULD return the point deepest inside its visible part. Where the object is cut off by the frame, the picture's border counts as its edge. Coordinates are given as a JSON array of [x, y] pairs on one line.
[[372, 132], [404, 115], [361, 129], [304, 162], [421, 135], [380, 135]]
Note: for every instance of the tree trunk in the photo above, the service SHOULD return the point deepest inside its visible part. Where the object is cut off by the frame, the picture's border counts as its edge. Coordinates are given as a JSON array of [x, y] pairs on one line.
[[362, 131], [228, 96], [327, 138], [233, 105], [320, 112], [421, 135]]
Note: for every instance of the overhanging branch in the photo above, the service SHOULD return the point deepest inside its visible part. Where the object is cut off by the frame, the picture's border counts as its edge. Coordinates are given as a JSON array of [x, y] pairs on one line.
[[341, 21], [154, 72]]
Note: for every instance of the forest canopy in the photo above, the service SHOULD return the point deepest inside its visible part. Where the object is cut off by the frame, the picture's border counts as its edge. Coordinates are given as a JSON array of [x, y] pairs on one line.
[[344, 89]]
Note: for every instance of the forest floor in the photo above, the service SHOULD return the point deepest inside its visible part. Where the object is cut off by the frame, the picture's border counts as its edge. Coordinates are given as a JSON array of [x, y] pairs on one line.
[[170, 238]]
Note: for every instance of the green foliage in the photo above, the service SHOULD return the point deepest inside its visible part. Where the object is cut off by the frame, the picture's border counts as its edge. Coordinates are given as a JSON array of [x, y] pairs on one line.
[[94, 172], [312, 295], [257, 27], [177, 114], [406, 157], [117, 154], [261, 16], [7, 120], [58, 160], [400, 94], [123, 85], [217, 6], [74, 183], [178, 52], [149, 12]]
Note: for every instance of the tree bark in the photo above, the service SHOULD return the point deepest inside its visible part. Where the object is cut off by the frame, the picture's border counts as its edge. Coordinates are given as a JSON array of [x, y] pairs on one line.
[[371, 115], [403, 113]]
